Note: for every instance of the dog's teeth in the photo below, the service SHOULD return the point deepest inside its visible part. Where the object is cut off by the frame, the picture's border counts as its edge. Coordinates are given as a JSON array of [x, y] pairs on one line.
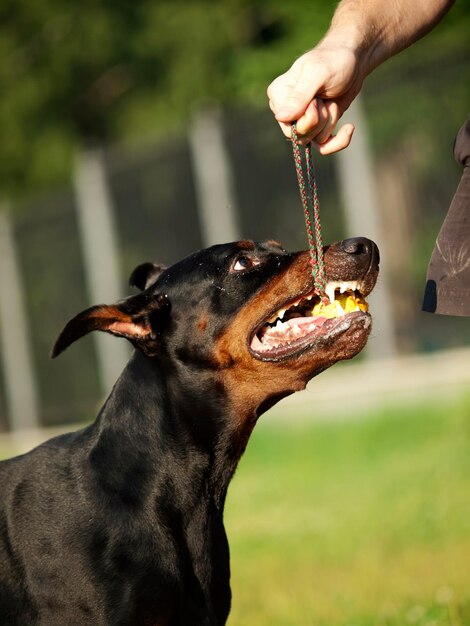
[[332, 286], [274, 317], [348, 286], [296, 329], [330, 291]]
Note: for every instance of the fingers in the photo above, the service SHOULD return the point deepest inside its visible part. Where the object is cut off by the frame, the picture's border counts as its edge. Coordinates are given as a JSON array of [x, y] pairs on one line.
[[337, 142], [293, 106], [317, 124], [331, 114], [322, 137], [292, 98], [289, 95], [314, 121]]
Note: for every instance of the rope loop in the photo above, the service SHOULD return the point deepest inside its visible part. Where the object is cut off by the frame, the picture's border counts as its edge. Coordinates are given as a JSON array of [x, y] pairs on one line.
[[309, 197]]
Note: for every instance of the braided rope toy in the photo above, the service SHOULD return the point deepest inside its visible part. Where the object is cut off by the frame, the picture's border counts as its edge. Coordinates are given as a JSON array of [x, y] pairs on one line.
[[309, 196]]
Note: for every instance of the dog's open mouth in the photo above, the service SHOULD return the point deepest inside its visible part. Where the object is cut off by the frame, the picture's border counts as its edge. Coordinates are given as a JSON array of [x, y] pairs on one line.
[[301, 322]]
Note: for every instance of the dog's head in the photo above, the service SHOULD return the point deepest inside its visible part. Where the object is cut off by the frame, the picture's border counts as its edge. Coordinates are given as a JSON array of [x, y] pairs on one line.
[[245, 313]]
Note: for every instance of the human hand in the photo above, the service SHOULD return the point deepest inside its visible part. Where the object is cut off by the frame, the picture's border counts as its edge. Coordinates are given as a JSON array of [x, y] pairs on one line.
[[315, 92]]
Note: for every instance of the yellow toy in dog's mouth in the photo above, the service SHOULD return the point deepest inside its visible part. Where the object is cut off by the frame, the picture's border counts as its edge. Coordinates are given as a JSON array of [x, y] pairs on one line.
[[341, 304]]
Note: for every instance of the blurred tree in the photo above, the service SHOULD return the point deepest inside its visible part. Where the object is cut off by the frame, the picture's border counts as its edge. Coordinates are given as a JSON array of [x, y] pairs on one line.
[[73, 73], [103, 71]]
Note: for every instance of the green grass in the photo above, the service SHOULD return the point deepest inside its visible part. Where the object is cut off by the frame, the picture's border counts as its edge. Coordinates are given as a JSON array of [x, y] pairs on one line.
[[354, 523]]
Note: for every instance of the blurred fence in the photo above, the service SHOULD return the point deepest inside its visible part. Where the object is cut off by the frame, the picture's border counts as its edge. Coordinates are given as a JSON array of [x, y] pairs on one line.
[[155, 212]]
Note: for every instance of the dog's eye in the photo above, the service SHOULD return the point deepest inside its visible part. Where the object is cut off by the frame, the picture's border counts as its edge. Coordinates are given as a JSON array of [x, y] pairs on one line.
[[244, 263]]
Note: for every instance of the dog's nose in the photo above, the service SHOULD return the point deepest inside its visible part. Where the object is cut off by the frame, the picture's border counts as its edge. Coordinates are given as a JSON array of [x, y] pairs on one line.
[[351, 258], [356, 245], [362, 248]]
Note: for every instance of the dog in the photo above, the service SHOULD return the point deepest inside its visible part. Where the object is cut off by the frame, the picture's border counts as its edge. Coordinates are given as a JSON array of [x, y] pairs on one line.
[[121, 523]]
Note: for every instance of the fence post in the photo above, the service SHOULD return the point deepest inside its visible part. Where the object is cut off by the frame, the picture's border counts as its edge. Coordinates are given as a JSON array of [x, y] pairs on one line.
[[213, 178], [17, 360], [100, 255]]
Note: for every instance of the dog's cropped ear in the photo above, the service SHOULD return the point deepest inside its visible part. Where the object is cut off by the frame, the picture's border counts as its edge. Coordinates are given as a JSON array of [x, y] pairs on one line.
[[145, 275], [139, 319]]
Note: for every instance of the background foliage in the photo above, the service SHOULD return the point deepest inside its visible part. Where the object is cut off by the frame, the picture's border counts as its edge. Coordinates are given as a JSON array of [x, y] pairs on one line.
[[121, 71]]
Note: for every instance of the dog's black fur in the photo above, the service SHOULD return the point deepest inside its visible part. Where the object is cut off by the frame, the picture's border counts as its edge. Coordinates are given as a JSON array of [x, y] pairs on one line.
[[121, 523]]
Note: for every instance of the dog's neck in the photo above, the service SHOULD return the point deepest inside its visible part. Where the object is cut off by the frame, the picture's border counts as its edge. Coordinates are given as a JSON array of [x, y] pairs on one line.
[[158, 468], [151, 422]]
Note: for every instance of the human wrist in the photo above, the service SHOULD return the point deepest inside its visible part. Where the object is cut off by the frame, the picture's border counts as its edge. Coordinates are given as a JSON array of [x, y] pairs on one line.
[[353, 43], [363, 34]]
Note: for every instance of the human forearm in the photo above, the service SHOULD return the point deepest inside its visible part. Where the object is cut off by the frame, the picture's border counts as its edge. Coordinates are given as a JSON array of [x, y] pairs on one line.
[[377, 29]]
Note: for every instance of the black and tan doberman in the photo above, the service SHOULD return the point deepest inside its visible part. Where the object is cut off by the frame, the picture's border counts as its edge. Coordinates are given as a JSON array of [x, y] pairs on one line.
[[121, 524]]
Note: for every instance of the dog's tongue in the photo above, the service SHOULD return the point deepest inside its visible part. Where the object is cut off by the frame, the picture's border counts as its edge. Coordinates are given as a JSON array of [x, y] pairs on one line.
[[301, 321], [305, 324]]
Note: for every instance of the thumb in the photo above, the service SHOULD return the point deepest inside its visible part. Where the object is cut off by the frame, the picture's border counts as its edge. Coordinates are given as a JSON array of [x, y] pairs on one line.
[[292, 92], [294, 103], [293, 106]]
